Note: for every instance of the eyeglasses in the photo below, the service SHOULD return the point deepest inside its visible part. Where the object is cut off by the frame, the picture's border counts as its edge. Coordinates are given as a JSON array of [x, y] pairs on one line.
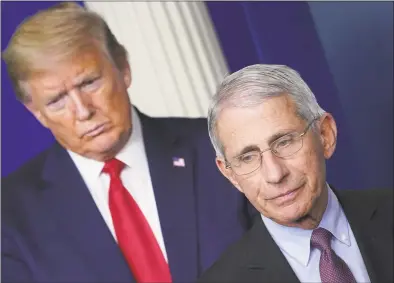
[[283, 147]]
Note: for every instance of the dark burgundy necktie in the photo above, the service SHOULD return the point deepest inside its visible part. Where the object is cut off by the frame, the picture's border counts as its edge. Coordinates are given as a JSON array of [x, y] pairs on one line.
[[135, 237], [332, 268]]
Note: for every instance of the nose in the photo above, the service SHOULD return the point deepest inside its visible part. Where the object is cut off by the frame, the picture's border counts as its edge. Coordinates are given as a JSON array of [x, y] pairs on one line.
[[273, 169], [82, 106]]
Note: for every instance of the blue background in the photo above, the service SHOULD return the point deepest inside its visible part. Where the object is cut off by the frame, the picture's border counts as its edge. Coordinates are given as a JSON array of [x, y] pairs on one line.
[[344, 51]]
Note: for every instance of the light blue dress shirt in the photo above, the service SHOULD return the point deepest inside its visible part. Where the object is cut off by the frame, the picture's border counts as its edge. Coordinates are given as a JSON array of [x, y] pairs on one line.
[[295, 244]]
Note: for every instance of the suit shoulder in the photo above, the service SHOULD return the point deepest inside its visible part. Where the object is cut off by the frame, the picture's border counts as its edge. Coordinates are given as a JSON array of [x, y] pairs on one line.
[[383, 199], [26, 174], [190, 129], [379, 196], [386, 194], [230, 265], [186, 125], [20, 190], [178, 126], [378, 202]]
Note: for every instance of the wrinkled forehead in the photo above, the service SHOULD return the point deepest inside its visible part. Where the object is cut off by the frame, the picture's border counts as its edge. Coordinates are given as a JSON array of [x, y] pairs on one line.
[[239, 127], [56, 74], [49, 58]]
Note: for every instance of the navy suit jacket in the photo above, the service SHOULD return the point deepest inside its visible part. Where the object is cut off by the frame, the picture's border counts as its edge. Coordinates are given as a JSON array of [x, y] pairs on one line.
[[52, 230]]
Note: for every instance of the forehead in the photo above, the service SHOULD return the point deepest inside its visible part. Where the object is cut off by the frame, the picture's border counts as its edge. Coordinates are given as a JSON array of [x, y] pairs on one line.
[[55, 75], [241, 127]]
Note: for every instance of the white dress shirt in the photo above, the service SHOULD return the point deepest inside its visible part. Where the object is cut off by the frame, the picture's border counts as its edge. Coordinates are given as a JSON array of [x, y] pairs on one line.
[[295, 244], [135, 177]]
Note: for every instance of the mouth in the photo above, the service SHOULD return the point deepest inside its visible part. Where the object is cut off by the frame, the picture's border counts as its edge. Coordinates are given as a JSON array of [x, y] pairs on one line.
[[95, 131], [287, 196]]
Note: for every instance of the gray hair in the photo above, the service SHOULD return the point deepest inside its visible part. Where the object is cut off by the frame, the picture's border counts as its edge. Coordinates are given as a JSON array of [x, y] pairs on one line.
[[252, 85]]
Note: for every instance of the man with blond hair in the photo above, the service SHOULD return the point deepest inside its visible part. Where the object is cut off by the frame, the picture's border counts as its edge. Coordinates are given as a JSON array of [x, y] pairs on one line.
[[120, 197], [272, 139]]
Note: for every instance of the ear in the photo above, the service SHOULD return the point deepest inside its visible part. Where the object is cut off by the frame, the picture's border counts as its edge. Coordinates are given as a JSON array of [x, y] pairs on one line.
[[328, 134], [126, 73], [36, 113], [227, 172]]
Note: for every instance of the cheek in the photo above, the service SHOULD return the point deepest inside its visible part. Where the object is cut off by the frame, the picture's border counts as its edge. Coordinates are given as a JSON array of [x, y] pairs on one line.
[[252, 186], [113, 103], [308, 161], [64, 130], [311, 167], [255, 191], [314, 167], [62, 122]]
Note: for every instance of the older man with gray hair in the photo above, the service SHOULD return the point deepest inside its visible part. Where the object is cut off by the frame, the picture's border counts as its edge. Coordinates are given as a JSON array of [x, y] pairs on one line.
[[272, 139]]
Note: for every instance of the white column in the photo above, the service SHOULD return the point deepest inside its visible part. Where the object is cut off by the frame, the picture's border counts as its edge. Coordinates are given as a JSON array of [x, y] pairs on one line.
[[174, 53]]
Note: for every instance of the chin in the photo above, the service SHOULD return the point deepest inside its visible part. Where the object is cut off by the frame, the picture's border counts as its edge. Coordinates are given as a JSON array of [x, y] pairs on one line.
[[292, 213], [106, 142], [287, 219]]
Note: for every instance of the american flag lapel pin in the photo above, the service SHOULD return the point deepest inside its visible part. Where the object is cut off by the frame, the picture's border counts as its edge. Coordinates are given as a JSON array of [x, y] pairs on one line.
[[178, 162]]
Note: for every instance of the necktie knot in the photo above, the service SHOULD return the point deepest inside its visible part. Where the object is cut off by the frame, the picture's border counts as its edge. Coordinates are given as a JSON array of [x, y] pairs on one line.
[[321, 239], [113, 167]]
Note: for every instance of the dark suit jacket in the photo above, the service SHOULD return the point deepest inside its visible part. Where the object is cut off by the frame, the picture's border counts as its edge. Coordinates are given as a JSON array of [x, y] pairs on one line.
[[257, 258], [52, 230]]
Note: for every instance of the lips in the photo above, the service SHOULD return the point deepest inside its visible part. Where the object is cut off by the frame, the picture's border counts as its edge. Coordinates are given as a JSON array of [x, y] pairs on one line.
[[287, 193], [95, 130], [287, 197]]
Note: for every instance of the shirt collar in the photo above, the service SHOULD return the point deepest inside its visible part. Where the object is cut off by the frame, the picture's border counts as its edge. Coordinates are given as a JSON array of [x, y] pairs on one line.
[[334, 219], [90, 169], [295, 241]]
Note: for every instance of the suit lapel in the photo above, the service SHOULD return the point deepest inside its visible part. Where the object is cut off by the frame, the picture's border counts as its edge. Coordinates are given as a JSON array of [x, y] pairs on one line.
[[175, 197], [265, 262], [79, 220]]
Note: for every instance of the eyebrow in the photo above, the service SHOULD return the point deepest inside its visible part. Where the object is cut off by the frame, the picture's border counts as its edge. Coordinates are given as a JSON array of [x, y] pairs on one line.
[[254, 147], [278, 135], [84, 78], [88, 77], [247, 149]]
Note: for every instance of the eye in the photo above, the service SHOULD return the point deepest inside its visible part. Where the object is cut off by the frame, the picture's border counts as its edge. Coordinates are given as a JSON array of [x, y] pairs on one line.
[[57, 103], [284, 141], [90, 84], [249, 157]]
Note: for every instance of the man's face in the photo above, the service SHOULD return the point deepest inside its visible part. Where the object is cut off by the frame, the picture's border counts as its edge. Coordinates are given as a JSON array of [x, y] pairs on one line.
[[84, 102], [283, 189]]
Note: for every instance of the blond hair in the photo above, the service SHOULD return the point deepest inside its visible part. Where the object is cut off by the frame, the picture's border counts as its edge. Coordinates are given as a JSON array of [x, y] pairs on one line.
[[57, 33]]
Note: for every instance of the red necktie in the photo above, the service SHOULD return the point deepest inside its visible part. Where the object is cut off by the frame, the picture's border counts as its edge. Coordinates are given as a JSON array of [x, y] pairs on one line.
[[135, 237]]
